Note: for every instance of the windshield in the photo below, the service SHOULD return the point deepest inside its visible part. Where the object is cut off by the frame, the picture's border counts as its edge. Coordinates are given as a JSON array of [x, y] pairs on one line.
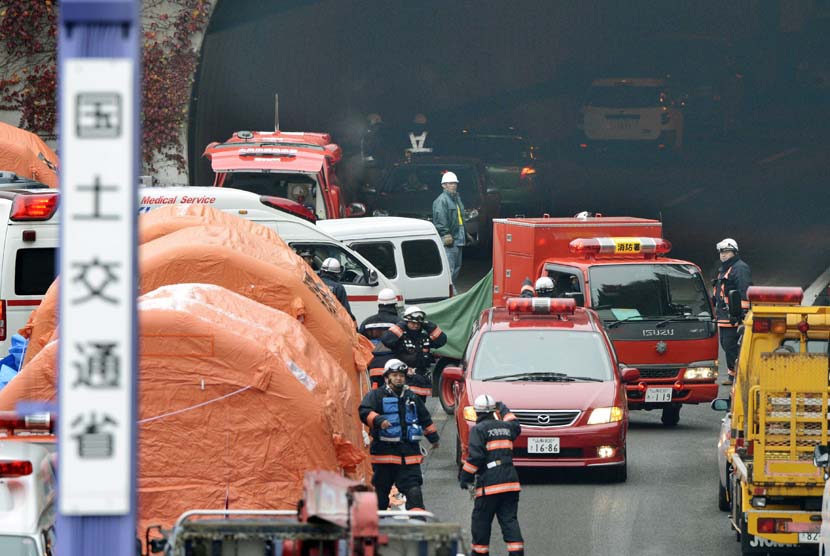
[[289, 186], [513, 352], [625, 96], [11, 545], [648, 291], [425, 181]]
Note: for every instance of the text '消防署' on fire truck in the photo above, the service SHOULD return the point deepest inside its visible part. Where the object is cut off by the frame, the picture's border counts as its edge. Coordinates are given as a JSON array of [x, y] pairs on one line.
[[656, 310], [768, 480]]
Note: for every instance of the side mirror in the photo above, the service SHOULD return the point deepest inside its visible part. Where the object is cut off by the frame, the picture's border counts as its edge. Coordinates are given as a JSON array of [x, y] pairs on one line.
[[735, 310], [373, 277], [453, 374], [630, 374], [355, 210], [821, 456], [720, 404], [578, 297]]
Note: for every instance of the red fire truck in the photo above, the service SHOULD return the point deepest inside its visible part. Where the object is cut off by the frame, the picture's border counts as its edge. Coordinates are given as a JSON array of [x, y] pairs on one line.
[[295, 169], [656, 310]]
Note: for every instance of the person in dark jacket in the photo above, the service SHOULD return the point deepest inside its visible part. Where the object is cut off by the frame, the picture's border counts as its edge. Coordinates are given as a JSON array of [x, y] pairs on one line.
[[733, 274], [448, 217], [412, 340], [330, 273], [386, 317], [397, 421], [489, 467]]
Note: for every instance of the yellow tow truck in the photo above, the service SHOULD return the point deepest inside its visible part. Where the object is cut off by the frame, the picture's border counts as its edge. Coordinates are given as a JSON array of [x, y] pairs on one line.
[[778, 415]]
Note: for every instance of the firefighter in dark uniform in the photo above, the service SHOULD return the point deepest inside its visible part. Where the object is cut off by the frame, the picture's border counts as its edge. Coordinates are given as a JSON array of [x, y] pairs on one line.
[[412, 341], [374, 326], [733, 274], [489, 467], [542, 288], [397, 420], [330, 273]]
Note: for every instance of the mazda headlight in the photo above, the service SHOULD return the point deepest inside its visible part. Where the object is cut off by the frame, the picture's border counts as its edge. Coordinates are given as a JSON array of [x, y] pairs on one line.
[[700, 373], [470, 413], [604, 415]]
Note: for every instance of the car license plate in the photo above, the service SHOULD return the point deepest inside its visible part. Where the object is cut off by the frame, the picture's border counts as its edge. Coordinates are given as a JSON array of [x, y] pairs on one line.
[[542, 445], [658, 395], [809, 538]]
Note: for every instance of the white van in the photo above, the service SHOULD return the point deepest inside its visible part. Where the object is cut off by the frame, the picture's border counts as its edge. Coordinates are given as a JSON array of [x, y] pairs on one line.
[[29, 238], [633, 112], [362, 280], [408, 251], [27, 498]]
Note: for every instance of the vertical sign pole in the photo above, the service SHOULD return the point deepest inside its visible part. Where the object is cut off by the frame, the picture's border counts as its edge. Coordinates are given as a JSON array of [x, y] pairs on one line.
[[98, 78]]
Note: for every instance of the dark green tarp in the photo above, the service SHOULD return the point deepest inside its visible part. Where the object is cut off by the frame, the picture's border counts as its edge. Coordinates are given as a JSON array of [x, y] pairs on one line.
[[457, 315]]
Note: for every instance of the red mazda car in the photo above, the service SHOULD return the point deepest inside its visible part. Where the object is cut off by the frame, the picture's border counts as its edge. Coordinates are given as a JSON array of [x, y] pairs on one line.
[[553, 365]]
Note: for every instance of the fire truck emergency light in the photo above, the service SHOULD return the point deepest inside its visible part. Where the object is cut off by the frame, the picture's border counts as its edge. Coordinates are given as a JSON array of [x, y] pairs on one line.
[[15, 468], [34, 207], [40, 422], [620, 246], [541, 305], [775, 295]]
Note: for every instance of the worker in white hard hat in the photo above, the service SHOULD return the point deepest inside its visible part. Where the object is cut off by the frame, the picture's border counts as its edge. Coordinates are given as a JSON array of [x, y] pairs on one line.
[[412, 340], [489, 468], [330, 273], [374, 327], [448, 217], [733, 274]]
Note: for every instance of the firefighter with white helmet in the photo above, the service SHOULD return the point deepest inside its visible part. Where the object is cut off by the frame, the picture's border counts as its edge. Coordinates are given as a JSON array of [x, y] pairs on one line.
[[374, 327], [412, 340], [397, 420], [542, 288], [330, 273], [733, 274], [448, 217], [489, 466]]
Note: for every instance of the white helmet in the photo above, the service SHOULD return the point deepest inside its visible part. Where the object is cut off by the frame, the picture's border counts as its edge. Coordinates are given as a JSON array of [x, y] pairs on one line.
[[387, 297], [414, 313], [449, 177], [394, 366], [485, 403], [543, 285], [727, 244], [332, 266]]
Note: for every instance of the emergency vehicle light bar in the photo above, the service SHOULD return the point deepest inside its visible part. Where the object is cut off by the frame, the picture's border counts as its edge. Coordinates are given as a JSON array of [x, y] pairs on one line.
[[620, 246], [41, 206], [15, 468], [541, 305], [267, 151], [775, 295], [41, 422]]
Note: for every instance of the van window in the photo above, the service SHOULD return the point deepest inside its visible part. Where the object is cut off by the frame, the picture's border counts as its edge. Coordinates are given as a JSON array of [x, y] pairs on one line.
[[353, 270], [421, 258], [13, 545], [34, 270], [381, 254]]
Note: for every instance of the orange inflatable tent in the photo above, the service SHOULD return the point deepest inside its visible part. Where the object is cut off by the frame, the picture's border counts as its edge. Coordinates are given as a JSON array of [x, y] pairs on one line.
[[26, 155], [243, 256], [236, 401]]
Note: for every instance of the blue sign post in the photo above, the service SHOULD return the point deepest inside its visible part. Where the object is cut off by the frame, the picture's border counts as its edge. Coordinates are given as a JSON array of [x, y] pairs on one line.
[[99, 67]]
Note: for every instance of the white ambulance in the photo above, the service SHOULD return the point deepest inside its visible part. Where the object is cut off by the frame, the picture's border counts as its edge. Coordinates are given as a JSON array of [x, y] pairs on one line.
[[362, 280], [29, 237]]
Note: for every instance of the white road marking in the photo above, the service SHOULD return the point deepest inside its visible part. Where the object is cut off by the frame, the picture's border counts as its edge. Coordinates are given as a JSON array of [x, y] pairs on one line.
[[776, 156], [683, 198], [811, 293]]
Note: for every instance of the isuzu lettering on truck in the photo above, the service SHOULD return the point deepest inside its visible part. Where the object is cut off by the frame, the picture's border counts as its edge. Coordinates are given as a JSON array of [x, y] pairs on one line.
[[655, 309]]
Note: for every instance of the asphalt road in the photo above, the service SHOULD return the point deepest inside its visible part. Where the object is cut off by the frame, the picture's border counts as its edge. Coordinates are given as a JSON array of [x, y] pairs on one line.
[[770, 194]]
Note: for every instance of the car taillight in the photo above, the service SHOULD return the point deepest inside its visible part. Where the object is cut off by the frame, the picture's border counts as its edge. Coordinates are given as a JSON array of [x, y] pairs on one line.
[[2, 320], [773, 524], [527, 172], [41, 206], [763, 326], [15, 468]]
